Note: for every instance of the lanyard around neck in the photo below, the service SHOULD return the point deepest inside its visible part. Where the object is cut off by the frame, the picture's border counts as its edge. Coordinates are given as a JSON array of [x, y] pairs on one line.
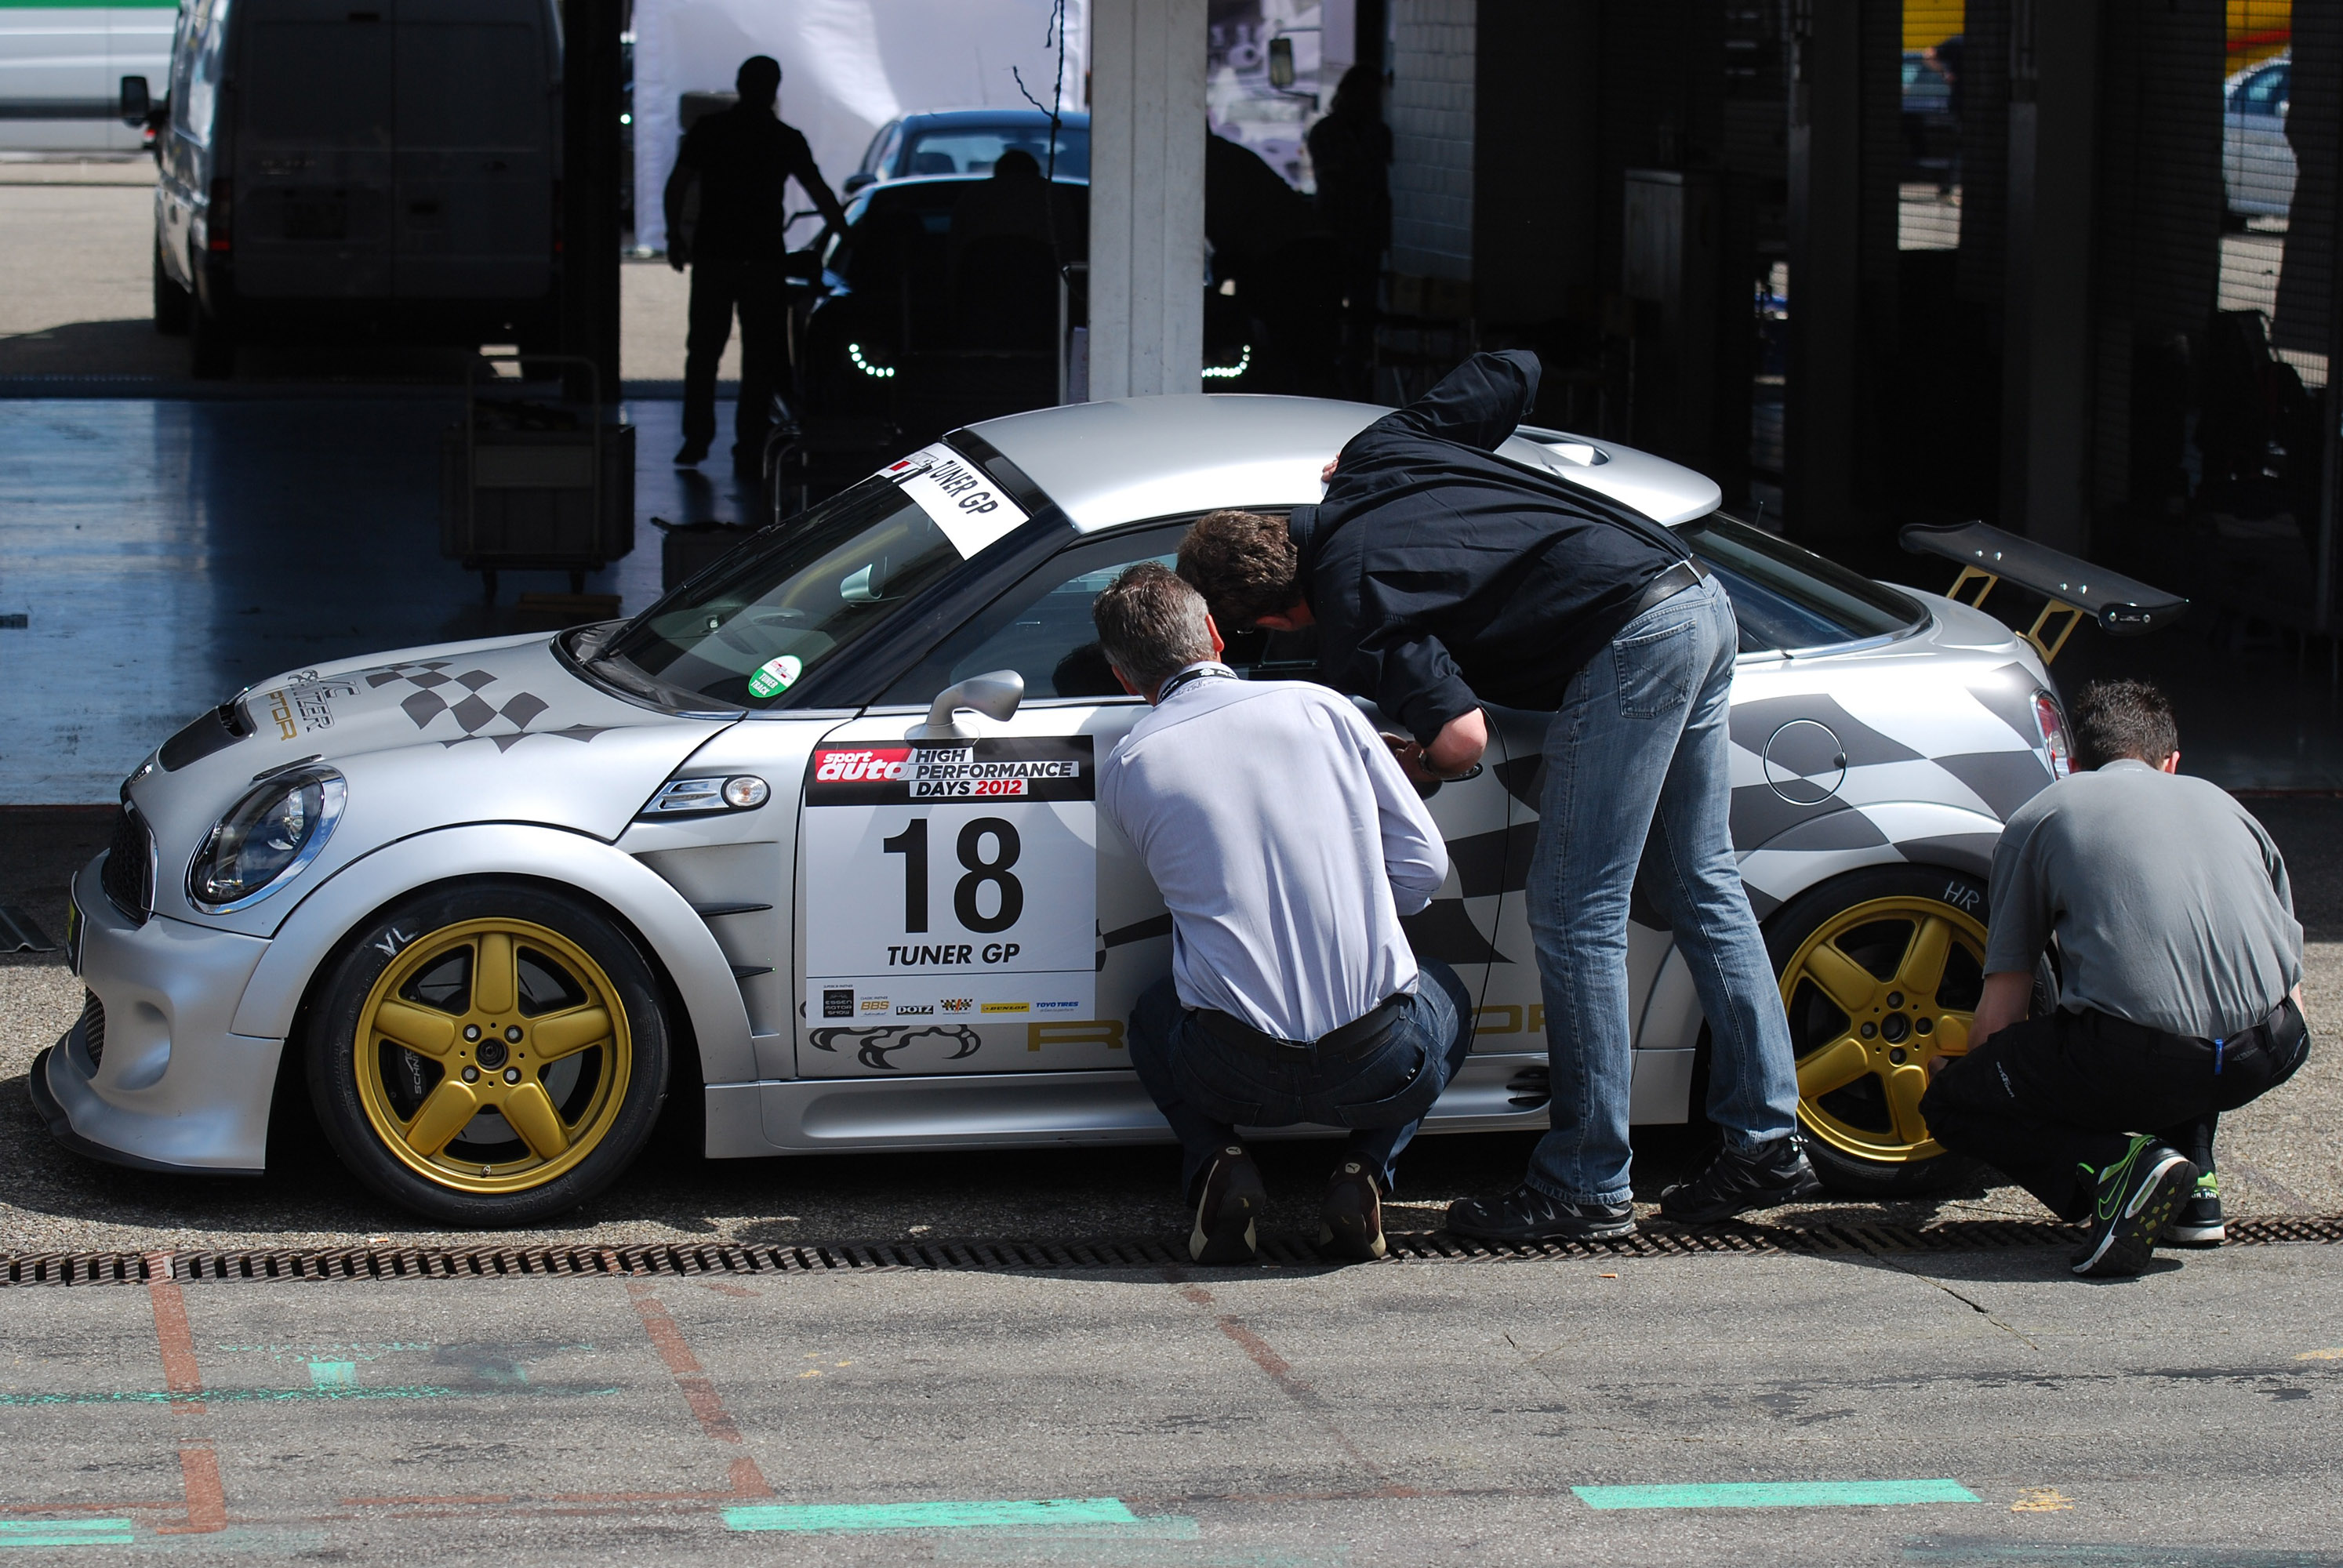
[[1189, 677]]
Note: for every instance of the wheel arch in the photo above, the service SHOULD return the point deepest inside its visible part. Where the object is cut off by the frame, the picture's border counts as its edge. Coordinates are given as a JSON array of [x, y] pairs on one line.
[[691, 969]]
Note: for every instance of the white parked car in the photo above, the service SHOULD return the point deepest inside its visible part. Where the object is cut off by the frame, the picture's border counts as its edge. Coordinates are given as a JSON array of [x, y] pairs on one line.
[[813, 842]]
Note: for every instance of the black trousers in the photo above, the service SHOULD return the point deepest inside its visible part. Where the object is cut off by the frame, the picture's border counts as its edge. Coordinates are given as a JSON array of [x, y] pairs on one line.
[[758, 290], [2048, 1095]]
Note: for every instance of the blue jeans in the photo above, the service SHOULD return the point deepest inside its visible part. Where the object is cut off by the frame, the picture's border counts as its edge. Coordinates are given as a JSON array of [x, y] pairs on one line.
[[1638, 782], [1206, 1089]]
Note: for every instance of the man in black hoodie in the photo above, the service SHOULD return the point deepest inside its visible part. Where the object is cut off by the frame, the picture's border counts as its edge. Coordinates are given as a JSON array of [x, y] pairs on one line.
[[1441, 575]]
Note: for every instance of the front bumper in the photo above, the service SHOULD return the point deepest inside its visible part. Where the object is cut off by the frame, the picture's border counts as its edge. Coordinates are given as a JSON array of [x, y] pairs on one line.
[[174, 1088]]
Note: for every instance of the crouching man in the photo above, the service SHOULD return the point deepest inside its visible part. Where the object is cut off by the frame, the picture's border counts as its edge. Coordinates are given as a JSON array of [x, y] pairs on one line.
[[2180, 995], [1286, 843]]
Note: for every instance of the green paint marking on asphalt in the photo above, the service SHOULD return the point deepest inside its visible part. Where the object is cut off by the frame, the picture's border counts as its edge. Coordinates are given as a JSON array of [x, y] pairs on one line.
[[931, 1515], [1776, 1494], [66, 1533], [334, 1376], [316, 1391]]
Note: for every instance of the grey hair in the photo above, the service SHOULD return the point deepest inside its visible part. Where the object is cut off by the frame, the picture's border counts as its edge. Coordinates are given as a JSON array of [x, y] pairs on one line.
[[1150, 624]]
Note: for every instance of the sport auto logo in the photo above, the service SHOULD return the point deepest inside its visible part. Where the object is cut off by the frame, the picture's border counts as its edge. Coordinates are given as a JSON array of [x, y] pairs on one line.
[[862, 765]]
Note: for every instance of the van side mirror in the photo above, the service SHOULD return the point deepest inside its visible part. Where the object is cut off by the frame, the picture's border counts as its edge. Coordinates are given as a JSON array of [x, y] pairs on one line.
[[136, 101], [995, 695]]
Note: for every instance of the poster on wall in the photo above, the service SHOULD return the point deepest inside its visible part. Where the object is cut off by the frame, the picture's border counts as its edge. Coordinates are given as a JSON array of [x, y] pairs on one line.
[[1263, 82], [847, 68]]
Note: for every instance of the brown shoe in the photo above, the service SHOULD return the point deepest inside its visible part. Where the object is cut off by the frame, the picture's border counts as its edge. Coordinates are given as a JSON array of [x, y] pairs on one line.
[[1353, 1218], [1228, 1214]]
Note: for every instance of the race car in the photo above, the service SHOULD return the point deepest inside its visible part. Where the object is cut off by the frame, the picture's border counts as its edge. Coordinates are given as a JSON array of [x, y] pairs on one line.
[[813, 841]]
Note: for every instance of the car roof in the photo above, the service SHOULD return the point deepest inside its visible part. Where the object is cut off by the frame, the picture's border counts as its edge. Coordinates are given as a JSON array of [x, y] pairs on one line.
[[930, 119], [1129, 458]]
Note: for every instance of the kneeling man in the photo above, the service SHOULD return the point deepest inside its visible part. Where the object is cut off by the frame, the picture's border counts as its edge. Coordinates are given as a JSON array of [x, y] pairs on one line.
[[1286, 843], [2182, 963]]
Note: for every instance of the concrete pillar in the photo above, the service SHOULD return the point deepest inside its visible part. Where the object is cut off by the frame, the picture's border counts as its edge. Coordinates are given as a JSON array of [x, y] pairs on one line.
[[1147, 197], [2046, 345]]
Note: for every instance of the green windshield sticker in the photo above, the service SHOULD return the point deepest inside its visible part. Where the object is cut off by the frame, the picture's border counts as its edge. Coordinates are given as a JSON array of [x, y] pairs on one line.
[[775, 676]]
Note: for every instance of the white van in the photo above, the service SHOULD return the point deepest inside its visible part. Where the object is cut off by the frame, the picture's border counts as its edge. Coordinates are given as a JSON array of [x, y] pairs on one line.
[[385, 166], [61, 67]]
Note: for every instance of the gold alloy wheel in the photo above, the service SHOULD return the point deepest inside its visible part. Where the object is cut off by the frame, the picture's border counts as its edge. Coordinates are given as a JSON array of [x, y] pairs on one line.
[[1875, 995], [492, 1055]]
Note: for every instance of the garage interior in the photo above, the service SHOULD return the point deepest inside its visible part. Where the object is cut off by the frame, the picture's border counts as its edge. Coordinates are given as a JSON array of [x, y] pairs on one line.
[[1741, 233]]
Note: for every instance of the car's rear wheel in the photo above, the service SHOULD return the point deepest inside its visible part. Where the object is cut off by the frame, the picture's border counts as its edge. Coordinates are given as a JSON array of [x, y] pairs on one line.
[[1881, 971], [489, 1054]]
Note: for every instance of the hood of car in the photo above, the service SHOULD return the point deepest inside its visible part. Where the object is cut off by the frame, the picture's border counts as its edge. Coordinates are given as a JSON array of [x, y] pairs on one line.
[[424, 738]]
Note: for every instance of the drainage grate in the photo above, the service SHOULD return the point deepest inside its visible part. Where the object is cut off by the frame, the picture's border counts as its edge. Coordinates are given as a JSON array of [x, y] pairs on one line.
[[1009, 1257]]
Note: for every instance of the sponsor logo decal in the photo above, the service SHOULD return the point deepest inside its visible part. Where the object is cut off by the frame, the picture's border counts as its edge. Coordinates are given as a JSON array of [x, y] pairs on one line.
[[1008, 1007], [1057, 1006], [776, 676], [914, 1010], [958, 1004], [1036, 768], [875, 1004], [838, 1002]]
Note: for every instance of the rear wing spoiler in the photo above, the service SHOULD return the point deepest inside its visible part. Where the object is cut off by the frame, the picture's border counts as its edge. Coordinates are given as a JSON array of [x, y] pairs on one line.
[[2074, 588]]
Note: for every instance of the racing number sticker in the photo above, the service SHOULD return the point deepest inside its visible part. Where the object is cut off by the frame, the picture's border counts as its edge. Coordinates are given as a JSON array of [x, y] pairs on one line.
[[959, 497], [951, 882]]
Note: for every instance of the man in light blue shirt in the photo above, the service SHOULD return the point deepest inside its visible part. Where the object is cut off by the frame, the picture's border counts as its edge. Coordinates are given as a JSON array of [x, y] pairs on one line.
[[1286, 843]]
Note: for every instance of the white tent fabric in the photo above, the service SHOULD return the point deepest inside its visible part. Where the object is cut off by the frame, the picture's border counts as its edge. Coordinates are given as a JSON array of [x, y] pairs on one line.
[[847, 66]]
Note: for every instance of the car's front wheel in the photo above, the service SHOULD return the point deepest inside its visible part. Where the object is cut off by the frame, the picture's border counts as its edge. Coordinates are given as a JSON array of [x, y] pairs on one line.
[[1881, 972], [489, 1054]]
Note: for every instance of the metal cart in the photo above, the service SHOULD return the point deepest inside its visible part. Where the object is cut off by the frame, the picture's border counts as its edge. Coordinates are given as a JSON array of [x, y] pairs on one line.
[[530, 484]]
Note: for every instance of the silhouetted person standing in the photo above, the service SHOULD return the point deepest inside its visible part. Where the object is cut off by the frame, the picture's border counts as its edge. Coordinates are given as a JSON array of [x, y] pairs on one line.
[[1351, 154], [743, 157]]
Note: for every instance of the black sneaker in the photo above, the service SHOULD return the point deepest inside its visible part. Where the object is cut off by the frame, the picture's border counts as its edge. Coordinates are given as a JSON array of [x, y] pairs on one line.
[[2198, 1222], [693, 454], [2136, 1197], [1736, 1182], [1527, 1214], [1228, 1213], [1350, 1224]]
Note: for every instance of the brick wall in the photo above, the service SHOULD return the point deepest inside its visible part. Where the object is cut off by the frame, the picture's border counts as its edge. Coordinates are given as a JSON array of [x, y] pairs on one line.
[[1431, 113]]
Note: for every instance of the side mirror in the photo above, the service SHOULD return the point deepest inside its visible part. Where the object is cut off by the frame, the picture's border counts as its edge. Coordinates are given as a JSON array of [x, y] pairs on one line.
[[860, 179], [1281, 63], [996, 696], [136, 101]]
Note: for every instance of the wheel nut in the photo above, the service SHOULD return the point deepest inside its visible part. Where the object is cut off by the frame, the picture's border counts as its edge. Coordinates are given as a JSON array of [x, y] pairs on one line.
[[492, 1054], [1924, 1025], [1896, 999], [512, 1033], [1897, 1056], [1869, 1029], [512, 1074], [471, 1031], [471, 1075]]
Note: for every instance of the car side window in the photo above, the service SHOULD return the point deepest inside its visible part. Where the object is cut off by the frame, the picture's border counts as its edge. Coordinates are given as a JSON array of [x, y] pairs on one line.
[[1041, 628]]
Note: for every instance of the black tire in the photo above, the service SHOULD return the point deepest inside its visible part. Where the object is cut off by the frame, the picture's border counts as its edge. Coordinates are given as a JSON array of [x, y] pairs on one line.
[[557, 945], [173, 304], [211, 348], [1851, 1132]]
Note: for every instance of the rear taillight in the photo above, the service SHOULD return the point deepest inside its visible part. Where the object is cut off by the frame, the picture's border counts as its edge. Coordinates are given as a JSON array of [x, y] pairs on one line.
[[219, 221], [2053, 725]]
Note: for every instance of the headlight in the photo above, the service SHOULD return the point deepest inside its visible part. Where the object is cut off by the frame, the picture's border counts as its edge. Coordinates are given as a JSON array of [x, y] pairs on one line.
[[269, 835]]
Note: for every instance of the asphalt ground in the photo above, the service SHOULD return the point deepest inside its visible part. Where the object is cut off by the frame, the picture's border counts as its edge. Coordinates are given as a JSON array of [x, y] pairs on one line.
[[2277, 1157], [1404, 1413]]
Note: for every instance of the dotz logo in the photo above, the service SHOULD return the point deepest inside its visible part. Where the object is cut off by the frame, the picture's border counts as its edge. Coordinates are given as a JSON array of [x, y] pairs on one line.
[[914, 1009]]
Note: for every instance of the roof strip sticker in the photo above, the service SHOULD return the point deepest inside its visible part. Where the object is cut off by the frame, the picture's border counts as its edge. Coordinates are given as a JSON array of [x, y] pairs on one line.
[[960, 497]]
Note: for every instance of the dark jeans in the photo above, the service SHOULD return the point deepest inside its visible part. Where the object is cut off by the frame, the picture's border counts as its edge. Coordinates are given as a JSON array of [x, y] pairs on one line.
[[2049, 1094], [758, 290], [1206, 1088]]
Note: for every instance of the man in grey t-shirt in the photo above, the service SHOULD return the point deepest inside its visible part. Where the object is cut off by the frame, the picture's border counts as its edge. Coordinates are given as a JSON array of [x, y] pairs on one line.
[[2181, 963]]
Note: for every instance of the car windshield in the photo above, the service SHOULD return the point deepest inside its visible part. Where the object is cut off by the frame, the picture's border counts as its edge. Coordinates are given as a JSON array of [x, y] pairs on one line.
[[974, 149], [1788, 598], [742, 633]]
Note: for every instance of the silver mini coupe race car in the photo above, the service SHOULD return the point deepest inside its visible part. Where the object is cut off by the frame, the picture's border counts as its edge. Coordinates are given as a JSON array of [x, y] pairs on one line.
[[813, 839]]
